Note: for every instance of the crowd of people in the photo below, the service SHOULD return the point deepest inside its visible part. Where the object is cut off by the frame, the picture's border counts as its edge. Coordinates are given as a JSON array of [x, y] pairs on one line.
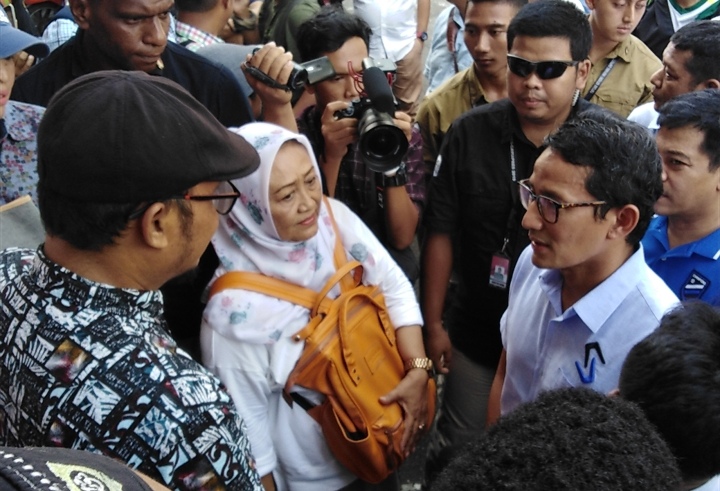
[[543, 222]]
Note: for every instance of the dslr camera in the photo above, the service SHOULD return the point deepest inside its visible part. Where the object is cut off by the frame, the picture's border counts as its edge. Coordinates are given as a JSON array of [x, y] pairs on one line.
[[382, 144]]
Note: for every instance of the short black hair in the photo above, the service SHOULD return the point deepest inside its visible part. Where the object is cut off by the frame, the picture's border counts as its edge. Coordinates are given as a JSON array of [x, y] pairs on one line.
[[553, 18], [701, 110], [625, 167], [92, 226], [195, 5], [518, 4], [567, 439], [674, 376], [328, 30], [702, 40]]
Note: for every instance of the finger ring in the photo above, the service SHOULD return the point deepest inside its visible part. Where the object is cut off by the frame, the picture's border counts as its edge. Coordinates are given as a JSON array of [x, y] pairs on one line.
[[421, 426]]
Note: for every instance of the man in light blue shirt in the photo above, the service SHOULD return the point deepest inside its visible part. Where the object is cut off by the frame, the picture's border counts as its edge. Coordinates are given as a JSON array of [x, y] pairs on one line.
[[448, 53], [582, 295]]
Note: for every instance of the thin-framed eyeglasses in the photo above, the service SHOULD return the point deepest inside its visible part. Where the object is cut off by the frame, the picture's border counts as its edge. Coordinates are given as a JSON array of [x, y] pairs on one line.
[[545, 70], [548, 208], [223, 199]]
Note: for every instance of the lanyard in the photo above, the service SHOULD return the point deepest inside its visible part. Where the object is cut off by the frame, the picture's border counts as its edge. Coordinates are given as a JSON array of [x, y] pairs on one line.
[[600, 79]]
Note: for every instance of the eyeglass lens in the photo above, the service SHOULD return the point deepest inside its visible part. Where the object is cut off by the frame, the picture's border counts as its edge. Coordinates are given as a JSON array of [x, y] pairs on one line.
[[545, 70], [548, 210], [224, 205]]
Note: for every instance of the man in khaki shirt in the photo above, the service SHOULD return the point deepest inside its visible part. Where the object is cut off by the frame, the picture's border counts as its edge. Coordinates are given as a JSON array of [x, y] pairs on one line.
[[486, 23], [621, 64]]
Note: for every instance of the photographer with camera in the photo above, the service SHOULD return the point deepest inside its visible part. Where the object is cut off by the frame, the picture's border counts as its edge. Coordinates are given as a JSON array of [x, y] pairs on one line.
[[355, 133]]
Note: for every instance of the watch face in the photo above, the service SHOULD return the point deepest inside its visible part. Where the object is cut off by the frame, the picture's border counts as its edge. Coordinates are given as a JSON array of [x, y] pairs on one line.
[[423, 36]]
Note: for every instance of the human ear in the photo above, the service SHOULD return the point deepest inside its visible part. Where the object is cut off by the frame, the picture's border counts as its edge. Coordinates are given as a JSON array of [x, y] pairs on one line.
[[154, 225], [81, 12], [583, 70], [626, 219], [712, 83]]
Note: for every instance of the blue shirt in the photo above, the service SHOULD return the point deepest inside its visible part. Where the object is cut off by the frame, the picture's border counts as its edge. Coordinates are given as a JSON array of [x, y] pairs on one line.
[[691, 270], [584, 346], [439, 65]]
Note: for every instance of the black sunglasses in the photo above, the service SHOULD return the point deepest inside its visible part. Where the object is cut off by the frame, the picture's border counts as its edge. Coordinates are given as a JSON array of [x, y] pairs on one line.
[[545, 69]]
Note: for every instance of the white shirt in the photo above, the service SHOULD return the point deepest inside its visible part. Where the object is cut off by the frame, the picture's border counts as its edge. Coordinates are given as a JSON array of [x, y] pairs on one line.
[[584, 346], [393, 24], [645, 115], [285, 440]]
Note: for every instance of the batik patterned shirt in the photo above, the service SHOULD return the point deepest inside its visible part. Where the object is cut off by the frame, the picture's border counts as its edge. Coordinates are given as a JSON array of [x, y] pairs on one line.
[[91, 367]]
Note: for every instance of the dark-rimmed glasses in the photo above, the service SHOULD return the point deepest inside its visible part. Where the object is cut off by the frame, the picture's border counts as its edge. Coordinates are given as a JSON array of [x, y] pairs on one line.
[[223, 199], [545, 70], [549, 208]]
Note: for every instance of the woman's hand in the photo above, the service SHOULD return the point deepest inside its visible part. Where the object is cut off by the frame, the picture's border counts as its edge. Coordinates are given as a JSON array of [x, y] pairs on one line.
[[411, 394]]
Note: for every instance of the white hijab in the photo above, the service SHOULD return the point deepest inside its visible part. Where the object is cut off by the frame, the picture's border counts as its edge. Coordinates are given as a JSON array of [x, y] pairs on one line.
[[246, 240]]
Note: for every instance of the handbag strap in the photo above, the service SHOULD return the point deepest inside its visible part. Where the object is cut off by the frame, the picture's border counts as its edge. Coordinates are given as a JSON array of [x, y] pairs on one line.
[[260, 283], [339, 255]]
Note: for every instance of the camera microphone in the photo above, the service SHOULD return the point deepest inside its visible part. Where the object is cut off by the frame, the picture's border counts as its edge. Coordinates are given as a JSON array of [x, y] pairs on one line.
[[378, 90]]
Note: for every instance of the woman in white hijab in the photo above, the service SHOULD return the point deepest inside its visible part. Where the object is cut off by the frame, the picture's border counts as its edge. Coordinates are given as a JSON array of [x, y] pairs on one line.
[[280, 227]]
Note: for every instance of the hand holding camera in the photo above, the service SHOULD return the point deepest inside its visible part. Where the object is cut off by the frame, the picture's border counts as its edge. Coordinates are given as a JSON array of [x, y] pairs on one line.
[[381, 142], [273, 64]]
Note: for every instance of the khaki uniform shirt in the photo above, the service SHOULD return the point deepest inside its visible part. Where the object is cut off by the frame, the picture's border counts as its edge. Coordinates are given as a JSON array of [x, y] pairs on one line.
[[442, 106], [628, 83]]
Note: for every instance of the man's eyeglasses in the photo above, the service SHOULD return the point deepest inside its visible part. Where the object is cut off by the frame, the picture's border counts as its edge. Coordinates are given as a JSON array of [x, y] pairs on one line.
[[545, 70], [223, 199], [548, 207]]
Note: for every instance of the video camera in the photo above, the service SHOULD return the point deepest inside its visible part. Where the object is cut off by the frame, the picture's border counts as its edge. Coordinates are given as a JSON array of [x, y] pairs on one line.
[[382, 144]]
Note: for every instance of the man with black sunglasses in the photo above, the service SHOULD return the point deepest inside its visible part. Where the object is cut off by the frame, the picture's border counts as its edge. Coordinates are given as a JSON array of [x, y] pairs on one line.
[[128, 202], [474, 210], [582, 295]]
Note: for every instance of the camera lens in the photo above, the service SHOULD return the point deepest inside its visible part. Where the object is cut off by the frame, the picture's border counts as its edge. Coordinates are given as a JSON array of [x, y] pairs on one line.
[[382, 144]]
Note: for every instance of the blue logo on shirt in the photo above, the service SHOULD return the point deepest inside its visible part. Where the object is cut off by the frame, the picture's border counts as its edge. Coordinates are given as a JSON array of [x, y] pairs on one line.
[[588, 376], [695, 286]]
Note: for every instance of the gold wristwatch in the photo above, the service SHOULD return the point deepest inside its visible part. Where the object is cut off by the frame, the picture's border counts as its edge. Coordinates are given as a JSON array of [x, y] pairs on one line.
[[424, 363]]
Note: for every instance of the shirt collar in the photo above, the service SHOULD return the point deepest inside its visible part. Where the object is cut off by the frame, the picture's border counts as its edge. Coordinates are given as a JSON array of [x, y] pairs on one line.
[[601, 302], [624, 50], [20, 125], [708, 246], [77, 291], [194, 35], [475, 89]]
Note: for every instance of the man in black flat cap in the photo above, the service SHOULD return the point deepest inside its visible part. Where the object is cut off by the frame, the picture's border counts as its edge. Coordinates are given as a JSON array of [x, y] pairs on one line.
[[133, 173]]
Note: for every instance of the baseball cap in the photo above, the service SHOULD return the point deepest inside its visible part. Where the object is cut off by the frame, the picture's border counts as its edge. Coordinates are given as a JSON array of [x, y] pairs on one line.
[[126, 137], [63, 469], [14, 40]]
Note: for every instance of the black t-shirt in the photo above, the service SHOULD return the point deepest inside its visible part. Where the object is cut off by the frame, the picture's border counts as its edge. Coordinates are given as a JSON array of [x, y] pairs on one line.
[[471, 199]]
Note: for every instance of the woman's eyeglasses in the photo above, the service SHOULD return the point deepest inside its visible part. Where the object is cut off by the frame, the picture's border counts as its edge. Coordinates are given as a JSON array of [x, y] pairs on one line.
[[548, 207], [545, 70]]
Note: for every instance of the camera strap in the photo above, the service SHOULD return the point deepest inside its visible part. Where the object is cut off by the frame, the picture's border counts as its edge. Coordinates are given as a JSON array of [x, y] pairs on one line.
[[264, 78]]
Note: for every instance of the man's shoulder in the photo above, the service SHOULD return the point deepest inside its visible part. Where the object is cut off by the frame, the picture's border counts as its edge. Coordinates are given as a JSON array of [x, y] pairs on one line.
[[492, 114], [449, 88], [640, 53], [188, 60], [644, 114], [657, 295], [15, 262], [39, 84]]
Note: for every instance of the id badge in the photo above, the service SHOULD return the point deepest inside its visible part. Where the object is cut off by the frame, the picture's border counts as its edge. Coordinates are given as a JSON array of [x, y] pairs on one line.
[[499, 268]]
